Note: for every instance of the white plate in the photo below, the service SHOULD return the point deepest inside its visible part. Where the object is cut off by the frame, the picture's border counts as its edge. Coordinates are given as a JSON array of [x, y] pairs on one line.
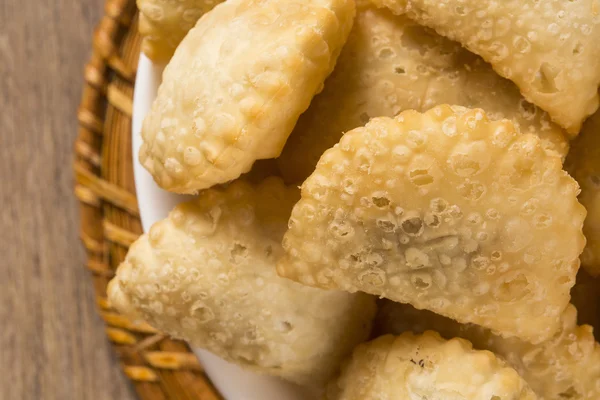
[[155, 203]]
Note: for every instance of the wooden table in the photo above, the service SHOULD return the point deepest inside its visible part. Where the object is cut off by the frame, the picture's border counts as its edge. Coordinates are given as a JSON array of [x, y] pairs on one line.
[[52, 343]]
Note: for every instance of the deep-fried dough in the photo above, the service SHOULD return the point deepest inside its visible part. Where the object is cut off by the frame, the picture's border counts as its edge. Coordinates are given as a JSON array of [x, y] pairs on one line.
[[236, 86], [567, 366], [583, 163], [391, 64], [426, 367], [206, 274], [164, 23], [549, 48], [445, 210]]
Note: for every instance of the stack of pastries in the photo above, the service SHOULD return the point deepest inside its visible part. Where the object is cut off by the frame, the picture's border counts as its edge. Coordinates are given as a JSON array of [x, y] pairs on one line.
[[435, 191]]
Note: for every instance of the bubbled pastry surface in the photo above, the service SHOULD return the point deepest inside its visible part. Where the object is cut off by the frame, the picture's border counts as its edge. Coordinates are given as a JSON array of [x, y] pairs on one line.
[[236, 85], [206, 274], [566, 366], [164, 23], [392, 64], [583, 163], [447, 211], [549, 48], [426, 367]]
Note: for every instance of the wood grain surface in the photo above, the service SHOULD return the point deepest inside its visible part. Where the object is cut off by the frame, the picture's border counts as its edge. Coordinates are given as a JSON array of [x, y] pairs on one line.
[[52, 343]]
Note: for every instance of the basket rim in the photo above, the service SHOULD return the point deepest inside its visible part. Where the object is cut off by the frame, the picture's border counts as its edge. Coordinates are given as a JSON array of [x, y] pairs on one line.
[[157, 367]]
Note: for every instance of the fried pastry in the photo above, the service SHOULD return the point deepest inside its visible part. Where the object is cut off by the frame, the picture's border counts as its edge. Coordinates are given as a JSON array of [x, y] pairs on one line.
[[164, 23], [236, 86], [549, 48], [391, 64], [207, 274], [426, 367], [567, 366], [447, 211], [583, 163]]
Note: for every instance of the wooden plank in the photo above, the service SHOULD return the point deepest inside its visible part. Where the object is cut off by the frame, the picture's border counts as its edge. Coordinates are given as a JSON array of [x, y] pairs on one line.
[[52, 341]]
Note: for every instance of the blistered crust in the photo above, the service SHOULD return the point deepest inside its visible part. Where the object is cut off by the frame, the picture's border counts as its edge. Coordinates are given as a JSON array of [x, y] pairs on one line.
[[206, 274], [426, 367], [583, 163], [391, 64], [236, 86], [567, 366], [445, 210], [549, 48], [164, 23]]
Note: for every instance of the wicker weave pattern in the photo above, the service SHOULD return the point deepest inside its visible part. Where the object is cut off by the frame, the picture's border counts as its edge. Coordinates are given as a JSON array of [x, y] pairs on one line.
[[159, 368]]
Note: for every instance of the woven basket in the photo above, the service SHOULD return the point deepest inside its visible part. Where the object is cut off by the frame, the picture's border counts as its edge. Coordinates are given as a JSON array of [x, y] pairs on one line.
[[158, 367]]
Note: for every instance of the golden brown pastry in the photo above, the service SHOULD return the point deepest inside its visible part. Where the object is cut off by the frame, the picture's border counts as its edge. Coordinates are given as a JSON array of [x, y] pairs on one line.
[[567, 366], [236, 86], [549, 48], [206, 274], [426, 367], [164, 23], [391, 64], [447, 211], [583, 163]]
